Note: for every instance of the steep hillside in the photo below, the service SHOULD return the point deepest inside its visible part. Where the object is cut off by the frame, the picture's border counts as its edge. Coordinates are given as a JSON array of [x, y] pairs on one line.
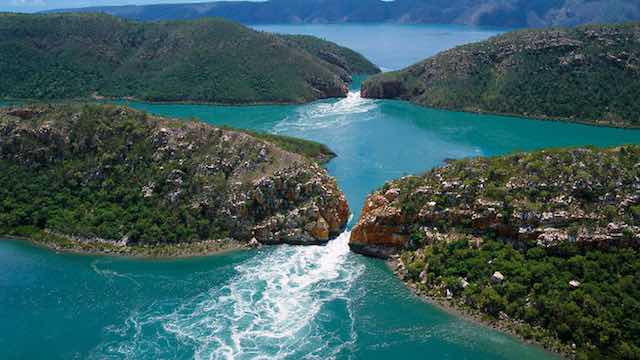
[[544, 244], [344, 58], [589, 74], [62, 56], [107, 178], [504, 13]]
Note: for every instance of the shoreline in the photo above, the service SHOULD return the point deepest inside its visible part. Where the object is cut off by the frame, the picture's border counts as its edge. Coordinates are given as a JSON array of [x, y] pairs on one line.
[[69, 245], [516, 116], [507, 327], [127, 99]]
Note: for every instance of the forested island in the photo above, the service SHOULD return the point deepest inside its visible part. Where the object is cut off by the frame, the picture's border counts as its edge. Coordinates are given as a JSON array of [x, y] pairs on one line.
[[502, 13], [589, 74], [544, 244], [108, 179], [81, 56]]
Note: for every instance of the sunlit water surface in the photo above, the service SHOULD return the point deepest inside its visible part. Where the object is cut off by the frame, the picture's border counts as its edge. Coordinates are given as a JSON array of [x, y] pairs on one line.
[[281, 302]]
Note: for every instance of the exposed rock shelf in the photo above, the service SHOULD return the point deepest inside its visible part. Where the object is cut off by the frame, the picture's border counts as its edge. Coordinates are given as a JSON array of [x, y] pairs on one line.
[[584, 196]]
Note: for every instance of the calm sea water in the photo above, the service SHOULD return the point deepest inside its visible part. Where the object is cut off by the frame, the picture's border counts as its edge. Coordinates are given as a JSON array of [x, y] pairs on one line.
[[317, 302], [391, 46]]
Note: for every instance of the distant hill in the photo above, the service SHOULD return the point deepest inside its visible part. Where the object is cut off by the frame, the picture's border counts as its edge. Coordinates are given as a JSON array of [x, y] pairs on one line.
[[589, 74], [74, 56], [504, 13]]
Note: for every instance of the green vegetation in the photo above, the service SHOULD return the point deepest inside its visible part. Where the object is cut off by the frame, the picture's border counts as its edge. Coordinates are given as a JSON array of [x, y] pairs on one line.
[[576, 189], [97, 172], [76, 56], [342, 57], [589, 74], [562, 226], [601, 316], [318, 152]]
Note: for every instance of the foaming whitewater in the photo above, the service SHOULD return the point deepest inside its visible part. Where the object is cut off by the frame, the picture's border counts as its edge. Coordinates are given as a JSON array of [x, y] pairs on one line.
[[322, 114], [269, 310]]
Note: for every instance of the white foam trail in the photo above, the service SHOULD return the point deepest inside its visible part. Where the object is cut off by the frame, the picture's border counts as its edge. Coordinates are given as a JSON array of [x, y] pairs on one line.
[[270, 310], [322, 115], [109, 274]]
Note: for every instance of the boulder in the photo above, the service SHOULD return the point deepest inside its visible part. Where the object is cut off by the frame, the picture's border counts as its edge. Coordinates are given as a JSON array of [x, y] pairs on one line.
[[423, 276], [497, 277], [320, 230], [449, 294], [254, 243]]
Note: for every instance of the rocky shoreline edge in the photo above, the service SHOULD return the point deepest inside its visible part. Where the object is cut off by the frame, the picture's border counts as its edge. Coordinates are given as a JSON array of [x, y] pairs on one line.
[[504, 325], [79, 246]]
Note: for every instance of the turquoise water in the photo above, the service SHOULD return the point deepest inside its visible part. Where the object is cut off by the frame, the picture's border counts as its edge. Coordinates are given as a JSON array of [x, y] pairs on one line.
[[379, 140], [390, 46], [317, 302]]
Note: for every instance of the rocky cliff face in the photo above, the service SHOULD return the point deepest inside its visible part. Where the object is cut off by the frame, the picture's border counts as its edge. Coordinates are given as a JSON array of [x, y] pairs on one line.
[[554, 73], [113, 174], [548, 198], [382, 227]]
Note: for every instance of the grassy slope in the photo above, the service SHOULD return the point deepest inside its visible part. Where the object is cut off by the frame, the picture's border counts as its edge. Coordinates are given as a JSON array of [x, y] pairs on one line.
[[62, 56], [589, 74], [312, 150], [340, 56]]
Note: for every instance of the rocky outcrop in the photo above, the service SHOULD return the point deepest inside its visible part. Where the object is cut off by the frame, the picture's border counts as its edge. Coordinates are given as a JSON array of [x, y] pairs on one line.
[[196, 181], [554, 224], [382, 227], [548, 198], [320, 212], [389, 89], [546, 74]]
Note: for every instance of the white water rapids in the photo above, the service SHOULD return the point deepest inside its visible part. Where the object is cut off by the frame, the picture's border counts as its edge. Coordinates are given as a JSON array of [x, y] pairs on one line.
[[269, 310], [324, 115], [273, 307]]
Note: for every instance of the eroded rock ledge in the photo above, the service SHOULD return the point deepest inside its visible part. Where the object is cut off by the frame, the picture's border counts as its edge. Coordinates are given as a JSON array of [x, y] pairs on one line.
[[548, 198], [112, 175]]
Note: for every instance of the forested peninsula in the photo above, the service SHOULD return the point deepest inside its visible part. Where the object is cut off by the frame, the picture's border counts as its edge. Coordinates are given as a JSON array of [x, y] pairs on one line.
[[53, 57], [545, 245], [589, 74], [108, 179]]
